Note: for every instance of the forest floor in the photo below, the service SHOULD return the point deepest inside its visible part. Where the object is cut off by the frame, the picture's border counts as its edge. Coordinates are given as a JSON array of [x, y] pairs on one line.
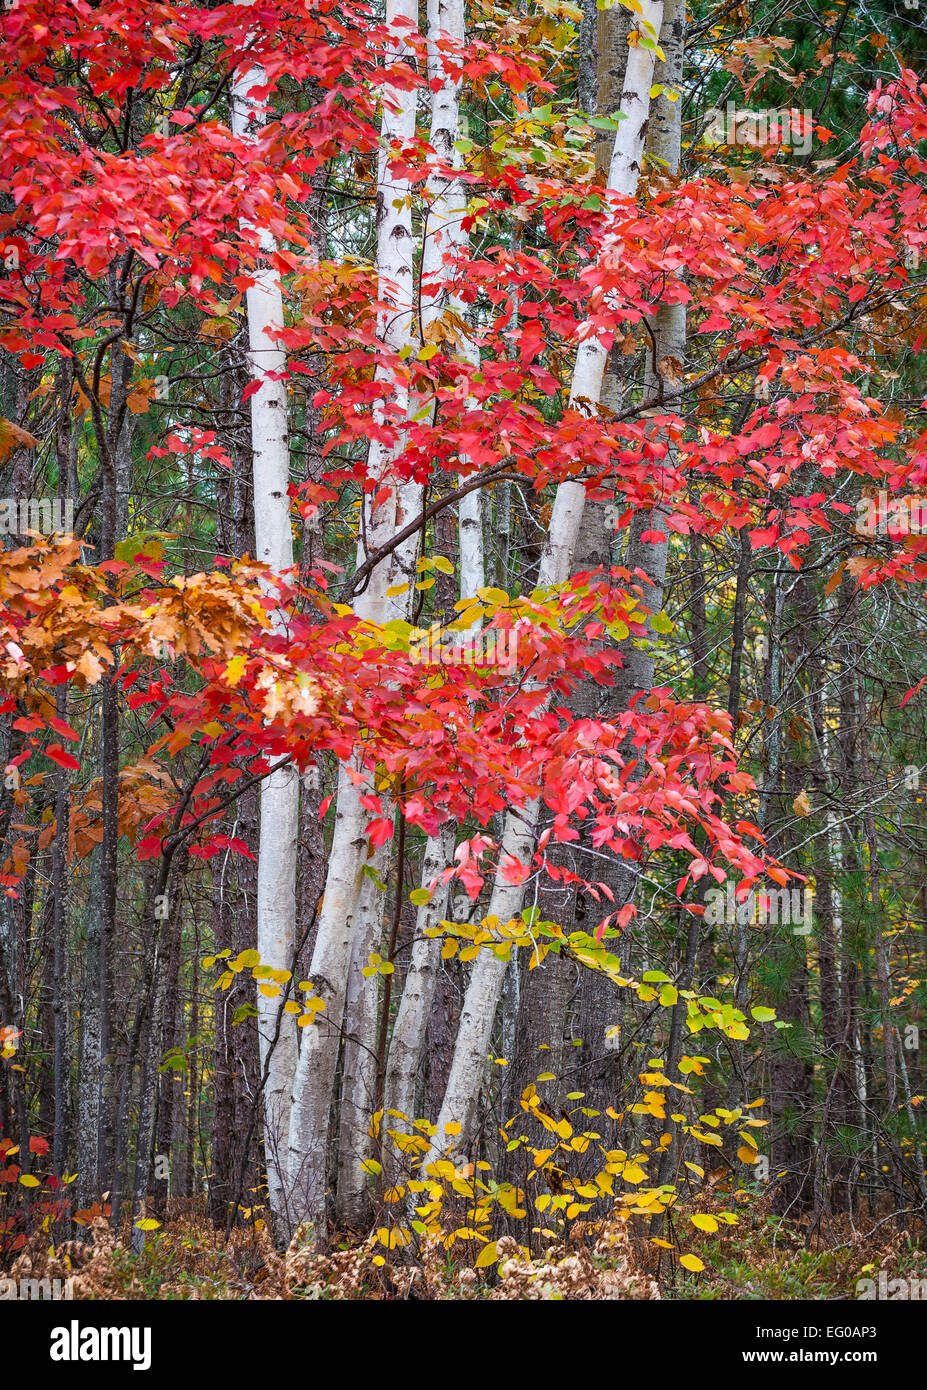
[[763, 1257]]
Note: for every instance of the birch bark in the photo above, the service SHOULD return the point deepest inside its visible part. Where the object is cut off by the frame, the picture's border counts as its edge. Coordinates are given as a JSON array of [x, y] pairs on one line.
[[276, 886], [518, 838], [443, 236], [339, 918]]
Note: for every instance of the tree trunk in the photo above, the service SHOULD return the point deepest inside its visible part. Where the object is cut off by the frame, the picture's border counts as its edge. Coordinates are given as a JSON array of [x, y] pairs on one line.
[[518, 837], [276, 886], [339, 919]]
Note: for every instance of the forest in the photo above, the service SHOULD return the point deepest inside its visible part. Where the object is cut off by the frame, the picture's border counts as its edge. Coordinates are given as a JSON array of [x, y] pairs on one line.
[[463, 537]]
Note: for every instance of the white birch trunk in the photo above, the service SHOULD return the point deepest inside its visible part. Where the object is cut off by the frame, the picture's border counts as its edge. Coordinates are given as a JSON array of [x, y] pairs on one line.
[[276, 875], [443, 235], [407, 1044], [359, 1068], [518, 839], [313, 1088], [664, 143]]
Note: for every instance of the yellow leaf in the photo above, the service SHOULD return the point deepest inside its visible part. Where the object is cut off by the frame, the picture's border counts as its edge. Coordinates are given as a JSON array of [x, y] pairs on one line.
[[148, 1223], [692, 1262], [467, 618], [487, 1256], [235, 669], [707, 1138], [28, 1180], [747, 1155], [704, 1223]]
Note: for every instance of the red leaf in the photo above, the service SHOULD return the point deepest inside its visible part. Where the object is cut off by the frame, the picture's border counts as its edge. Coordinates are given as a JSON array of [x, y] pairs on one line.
[[240, 846], [27, 726], [59, 756], [149, 848], [380, 831], [60, 727], [913, 691]]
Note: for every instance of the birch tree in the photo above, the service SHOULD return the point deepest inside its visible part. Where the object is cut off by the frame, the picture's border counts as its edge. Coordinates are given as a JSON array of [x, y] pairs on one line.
[[443, 239], [443, 236], [276, 878], [518, 837], [383, 517]]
